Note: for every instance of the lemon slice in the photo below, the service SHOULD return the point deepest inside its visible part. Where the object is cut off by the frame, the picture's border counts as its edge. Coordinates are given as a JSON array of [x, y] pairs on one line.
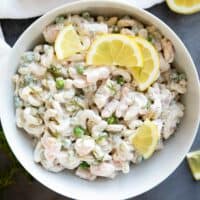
[[146, 139], [193, 159], [149, 73], [184, 6], [67, 43], [114, 49]]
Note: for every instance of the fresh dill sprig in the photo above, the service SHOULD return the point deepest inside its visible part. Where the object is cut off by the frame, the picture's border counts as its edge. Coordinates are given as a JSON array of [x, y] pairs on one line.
[[74, 102], [7, 177], [112, 88], [8, 174], [148, 105]]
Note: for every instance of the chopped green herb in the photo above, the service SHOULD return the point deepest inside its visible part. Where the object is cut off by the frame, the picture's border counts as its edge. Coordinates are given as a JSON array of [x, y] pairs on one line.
[[28, 57], [148, 105], [150, 38], [65, 143], [54, 71], [59, 19], [120, 80], [182, 76], [86, 15], [60, 83], [28, 79], [112, 120], [84, 165], [115, 29], [17, 101], [112, 88], [55, 134], [79, 131], [74, 102], [98, 155], [101, 138], [178, 76], [33, 90], [80, 69], [8, 175]]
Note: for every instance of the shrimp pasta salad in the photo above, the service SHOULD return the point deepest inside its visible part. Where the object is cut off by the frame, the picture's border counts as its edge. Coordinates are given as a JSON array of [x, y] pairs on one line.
[[98, 95]]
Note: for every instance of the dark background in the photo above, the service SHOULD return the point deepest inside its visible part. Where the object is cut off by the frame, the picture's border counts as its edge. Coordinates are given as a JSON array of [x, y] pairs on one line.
[[180, 185]]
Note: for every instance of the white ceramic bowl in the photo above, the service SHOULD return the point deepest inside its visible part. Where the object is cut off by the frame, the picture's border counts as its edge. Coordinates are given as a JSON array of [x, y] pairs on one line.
[[142, 177]]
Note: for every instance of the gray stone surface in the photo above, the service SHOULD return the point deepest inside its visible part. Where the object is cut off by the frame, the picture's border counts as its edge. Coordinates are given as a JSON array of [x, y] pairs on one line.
[[180, 184]]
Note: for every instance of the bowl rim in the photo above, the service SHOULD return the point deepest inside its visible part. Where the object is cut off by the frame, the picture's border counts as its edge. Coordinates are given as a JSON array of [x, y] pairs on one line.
[[151, 16]]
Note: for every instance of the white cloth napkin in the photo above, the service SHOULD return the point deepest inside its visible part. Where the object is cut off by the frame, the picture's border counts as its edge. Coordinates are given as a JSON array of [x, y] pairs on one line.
[[31, 8]]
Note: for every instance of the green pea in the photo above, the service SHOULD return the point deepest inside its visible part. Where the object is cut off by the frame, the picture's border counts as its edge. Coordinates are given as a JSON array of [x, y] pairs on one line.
[[84, 165], [120, 80], [112, 120], [60, 83], [150, 39], [80, 69], [79, 131]]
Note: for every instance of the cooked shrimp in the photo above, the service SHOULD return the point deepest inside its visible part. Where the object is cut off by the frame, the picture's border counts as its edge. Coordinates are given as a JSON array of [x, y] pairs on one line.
[[164, 65], [127, 31], [84, 146], [171, 117], [115, 128], [94, 28], [126, 23], [123, 152], [105, 91], [37, 69], [83, 116], [98, 129], [103, 169], [110, 108], [85, 174], [68, 159], [50, 33], [168, 50], [31, 95], [95, 74], [121, 72], [111, 21]]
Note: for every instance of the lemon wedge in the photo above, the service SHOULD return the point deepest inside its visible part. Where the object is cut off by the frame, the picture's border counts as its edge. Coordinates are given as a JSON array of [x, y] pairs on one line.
[[193, 159], [146, 139], [114, 49], [184, 6], [149, 73], [67, 43]]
